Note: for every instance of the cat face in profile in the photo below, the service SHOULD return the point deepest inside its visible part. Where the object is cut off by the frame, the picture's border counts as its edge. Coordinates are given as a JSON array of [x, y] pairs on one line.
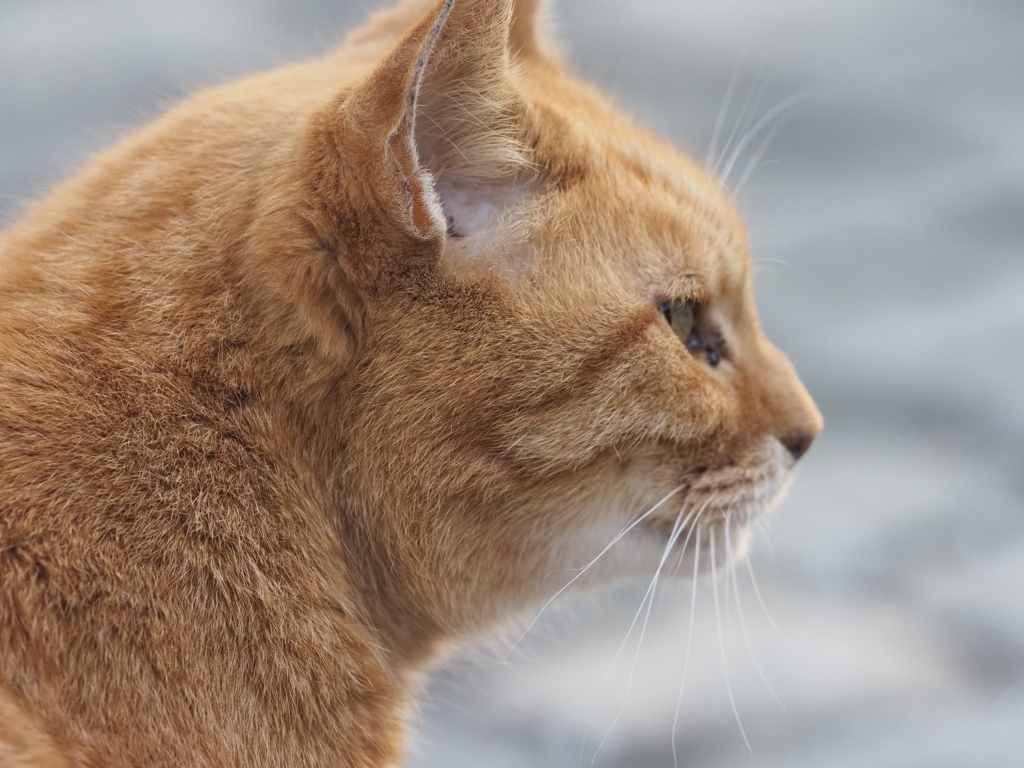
[[342, 362], [580, 346]]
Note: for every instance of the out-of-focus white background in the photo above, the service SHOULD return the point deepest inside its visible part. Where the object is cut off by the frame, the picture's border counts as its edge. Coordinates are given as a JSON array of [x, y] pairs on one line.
[[887, 223]]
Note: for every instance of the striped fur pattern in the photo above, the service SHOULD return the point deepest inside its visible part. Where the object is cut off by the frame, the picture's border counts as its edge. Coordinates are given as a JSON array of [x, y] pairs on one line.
[[334, 366]]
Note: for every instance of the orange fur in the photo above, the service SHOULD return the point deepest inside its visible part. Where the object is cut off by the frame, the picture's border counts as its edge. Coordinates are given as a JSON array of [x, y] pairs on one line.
[[335, 365]]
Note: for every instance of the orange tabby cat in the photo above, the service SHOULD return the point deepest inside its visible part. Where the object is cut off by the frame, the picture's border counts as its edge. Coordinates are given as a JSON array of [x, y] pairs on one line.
[[337, 365]]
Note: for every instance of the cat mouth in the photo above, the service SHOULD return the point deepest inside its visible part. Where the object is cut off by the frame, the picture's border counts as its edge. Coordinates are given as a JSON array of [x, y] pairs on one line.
[[728, 504], [742, 510], [714, 533]]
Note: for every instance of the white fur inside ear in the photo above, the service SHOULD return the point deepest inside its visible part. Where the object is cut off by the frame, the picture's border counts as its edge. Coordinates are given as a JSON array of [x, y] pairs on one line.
[[491, 225], [472, 208]]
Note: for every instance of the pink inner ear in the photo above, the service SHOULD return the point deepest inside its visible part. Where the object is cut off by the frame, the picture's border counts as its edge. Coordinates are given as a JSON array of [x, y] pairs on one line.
[[472, 207], [492, 226], [457, 146]]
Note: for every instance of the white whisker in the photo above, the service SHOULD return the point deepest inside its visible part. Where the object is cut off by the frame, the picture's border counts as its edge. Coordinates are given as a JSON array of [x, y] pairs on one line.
[[758, 127], [721, 644], [689, 642], [743, 121], [762, 528], [757, 593], [730, 568], [752, 166], [611, 544], [682, 554], [677, 530], [517, 442], [762, 260], [724, 110], [725, 597], [689, 533], [643, 602]]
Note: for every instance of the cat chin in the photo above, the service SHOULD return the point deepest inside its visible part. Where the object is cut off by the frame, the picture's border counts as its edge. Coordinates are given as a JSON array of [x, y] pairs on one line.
[[721, 506], [648, 553], [670, 550]]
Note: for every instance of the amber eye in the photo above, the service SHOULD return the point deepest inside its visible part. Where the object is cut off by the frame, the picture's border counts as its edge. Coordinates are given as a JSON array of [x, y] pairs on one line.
[[679, 314], [690, 325]]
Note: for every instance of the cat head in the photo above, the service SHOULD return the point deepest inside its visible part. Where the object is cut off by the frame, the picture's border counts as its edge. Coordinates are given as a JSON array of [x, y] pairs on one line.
[[552, 323]]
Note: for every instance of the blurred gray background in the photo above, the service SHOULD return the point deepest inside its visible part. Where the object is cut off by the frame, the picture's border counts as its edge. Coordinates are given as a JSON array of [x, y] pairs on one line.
[[887, 223]]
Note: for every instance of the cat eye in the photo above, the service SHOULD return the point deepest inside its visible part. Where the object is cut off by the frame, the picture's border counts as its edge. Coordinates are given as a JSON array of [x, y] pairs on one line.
[[682, 317], [679, 315]]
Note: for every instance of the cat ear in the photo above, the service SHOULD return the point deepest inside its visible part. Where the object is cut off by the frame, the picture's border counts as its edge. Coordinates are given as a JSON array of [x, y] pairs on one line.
[[527, 36], [443, 115]]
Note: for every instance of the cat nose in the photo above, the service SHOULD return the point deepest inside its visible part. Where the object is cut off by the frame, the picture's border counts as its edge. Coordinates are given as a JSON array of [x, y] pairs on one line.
[[798, 442], [795, 419], [800, 421]]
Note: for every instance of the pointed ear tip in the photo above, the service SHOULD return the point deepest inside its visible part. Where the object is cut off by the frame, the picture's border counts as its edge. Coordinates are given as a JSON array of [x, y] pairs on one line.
[[529, 19]]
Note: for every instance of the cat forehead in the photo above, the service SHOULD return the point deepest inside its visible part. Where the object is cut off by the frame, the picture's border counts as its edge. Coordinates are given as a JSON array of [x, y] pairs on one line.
[[637, 199], [663, 220]]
